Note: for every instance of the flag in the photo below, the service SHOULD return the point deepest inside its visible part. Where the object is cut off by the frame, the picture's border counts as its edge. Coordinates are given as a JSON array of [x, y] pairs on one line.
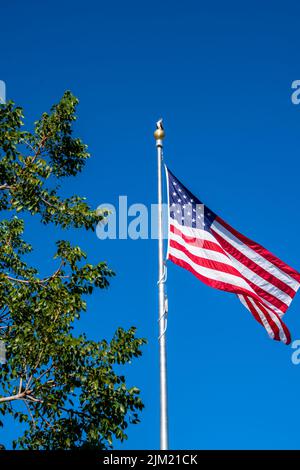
[[221, 257]]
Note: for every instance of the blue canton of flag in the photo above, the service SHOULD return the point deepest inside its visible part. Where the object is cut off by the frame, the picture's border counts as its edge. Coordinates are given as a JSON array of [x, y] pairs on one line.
[[186, 208]]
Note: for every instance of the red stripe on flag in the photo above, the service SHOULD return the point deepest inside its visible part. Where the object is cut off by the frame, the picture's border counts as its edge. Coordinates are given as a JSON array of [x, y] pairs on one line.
[[270, 322], [196, 241], [225, 286], [225, 268], [269, 297], [207, 263], [253, 266], [262, 251], [283, 326]]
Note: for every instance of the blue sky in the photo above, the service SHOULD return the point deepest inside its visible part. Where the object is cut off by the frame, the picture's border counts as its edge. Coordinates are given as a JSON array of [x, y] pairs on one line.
[[220, 74]]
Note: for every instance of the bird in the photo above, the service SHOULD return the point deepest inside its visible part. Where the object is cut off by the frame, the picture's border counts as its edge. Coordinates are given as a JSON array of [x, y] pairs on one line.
[[159, 125]]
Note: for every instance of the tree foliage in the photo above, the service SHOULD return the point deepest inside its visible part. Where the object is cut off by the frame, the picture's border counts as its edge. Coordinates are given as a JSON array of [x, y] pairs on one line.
[[65, 388]]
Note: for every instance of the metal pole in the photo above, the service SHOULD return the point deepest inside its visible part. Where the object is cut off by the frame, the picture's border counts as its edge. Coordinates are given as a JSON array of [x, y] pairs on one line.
[[159, 135]]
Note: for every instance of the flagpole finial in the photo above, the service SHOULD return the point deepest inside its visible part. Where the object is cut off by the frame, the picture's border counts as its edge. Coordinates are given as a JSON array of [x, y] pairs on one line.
[[159, 133]]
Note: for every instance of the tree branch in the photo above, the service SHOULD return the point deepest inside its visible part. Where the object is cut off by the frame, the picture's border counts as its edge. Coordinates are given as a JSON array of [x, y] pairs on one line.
[[18, 396], [20, 386], [36, 400], [28, 144], [45, 372], [29, 411], [48, 203], [41, 146], [48, 424], [39, 281]]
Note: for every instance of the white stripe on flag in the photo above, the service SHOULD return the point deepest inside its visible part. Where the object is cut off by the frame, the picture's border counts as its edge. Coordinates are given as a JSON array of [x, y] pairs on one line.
[[202, 252], [212, 273], [260, 282], [261, 316], [254, 256]]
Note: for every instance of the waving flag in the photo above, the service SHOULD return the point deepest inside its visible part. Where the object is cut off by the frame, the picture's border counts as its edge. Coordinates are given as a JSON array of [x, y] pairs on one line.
[[201, 242]]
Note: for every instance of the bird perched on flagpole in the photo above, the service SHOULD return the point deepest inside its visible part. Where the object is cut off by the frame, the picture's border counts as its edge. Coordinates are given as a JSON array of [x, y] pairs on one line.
[[159, 124], [159, 133]]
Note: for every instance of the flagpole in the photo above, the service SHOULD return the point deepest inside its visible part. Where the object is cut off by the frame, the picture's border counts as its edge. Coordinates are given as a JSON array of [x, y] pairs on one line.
[[159, 135]]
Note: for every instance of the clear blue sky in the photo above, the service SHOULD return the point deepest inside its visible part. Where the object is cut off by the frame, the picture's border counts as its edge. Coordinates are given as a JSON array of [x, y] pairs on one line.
[[220, 74]]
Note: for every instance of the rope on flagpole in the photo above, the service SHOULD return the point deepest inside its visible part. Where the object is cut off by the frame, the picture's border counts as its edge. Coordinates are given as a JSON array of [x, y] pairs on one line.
[[164, 276], [163, 279], [164, 315]]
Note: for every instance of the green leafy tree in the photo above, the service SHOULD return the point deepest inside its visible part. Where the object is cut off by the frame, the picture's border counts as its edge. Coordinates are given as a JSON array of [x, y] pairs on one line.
[[65, 388]]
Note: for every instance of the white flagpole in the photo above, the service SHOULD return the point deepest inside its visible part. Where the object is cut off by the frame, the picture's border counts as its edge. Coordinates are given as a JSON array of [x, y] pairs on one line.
[[159, 135]]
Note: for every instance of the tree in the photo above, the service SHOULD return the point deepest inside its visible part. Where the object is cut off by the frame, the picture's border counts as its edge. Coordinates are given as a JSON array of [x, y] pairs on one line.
[[64, 387]]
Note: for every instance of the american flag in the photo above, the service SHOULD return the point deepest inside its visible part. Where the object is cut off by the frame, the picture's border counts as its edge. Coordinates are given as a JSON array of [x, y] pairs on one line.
[[218, 255]]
